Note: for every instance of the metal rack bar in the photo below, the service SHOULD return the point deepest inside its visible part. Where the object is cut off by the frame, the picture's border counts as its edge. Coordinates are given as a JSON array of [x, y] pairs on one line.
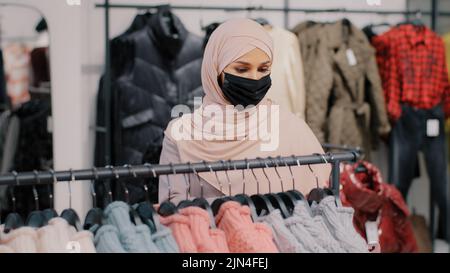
[[47, 177], [284, 9]]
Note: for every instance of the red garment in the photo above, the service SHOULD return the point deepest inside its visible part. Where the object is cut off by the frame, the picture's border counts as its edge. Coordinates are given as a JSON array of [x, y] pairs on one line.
[[412, 65], [370, 197], [244, 236]]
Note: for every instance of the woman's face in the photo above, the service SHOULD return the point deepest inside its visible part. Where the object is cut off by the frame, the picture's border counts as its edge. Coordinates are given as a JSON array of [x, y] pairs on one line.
[[253, 65]]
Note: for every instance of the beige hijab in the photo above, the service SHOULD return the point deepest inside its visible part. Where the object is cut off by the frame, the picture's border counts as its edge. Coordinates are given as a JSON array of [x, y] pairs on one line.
[[231, 137]]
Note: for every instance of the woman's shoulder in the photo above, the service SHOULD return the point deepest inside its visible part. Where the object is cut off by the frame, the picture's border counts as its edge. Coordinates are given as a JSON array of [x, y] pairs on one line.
[[177, 127]]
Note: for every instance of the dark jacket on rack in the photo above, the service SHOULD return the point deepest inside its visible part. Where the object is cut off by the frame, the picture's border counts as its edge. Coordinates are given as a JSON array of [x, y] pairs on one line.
[[372, 198], [161, 68], [3, 95], [344, 99]]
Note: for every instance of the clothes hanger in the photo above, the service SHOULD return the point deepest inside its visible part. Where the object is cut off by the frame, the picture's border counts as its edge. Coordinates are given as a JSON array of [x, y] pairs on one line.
[[243, 198], [186, 203], [298, 195], [51, 212], [36, 218], [167, 208], [134, 216], [262, 203], [94, 218], [203, 203], [316, 194], [287, 197], [146, 211], [125, 189], [417, 21], [13, 220], [70, 215], [330, 192], [276, 200], [295, 193], [107, 185], [217, 203]]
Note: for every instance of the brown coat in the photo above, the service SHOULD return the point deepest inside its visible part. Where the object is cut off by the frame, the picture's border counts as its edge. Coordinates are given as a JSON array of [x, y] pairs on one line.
[[344, 102]]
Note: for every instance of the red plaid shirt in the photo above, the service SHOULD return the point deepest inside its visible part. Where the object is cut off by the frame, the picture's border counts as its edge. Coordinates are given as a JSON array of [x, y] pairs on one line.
[[413, 70]]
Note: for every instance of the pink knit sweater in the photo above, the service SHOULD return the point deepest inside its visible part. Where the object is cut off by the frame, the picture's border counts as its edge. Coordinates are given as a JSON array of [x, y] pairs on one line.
[[207, 240], [244, 236], [179, 224]]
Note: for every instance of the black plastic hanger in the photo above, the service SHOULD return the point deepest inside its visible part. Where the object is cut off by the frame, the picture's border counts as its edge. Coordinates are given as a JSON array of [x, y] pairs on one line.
[[289, 199], [298, 196], [202, 203], [276, 200], [122, 183], [13, 220], [94, 218], [317, 193], [70, 215], [262, 203], [51, 212], [36, 218], [145, 210], [184, 204], [167, 208], [134, 216], [107, 186], [243, 198], [216, 204]]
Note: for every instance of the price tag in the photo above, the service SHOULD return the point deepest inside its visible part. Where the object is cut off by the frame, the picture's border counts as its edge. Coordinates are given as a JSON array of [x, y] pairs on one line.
[[351, 57], [372, 232], [433, 127]]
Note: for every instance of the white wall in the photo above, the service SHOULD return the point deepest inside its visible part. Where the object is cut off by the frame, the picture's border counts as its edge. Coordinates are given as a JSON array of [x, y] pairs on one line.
[[71, 138], [13, 28]]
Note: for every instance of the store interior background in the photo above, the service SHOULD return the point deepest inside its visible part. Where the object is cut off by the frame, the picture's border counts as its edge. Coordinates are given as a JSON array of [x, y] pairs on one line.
[[77, 50]]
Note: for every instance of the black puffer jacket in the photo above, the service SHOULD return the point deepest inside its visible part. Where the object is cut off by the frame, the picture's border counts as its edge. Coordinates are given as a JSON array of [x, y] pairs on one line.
[[162, 70]]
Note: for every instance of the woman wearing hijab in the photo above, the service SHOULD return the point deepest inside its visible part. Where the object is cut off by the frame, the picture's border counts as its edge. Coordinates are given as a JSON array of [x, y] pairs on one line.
[[236, 74]]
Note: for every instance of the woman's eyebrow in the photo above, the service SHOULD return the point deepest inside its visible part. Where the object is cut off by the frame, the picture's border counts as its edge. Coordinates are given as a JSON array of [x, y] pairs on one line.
[[246, 63], [242, 62]]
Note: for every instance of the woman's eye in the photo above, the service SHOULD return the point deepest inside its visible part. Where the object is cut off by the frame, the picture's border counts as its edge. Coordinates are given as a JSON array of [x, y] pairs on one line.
[[241, 70], [263, 70]]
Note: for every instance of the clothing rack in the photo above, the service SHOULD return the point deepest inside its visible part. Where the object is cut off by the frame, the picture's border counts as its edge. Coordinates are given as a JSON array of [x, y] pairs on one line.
[[147, 170], [286, 9]]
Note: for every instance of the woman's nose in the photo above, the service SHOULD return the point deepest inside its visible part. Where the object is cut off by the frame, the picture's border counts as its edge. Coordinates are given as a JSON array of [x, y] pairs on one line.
[[254, 75]]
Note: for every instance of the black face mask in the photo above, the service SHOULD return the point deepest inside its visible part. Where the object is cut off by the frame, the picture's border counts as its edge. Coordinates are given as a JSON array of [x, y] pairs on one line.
[[244, 91]]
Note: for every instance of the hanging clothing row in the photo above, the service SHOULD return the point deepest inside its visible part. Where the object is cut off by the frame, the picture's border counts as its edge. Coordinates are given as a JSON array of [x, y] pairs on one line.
[[412, 63], [274, 222]]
